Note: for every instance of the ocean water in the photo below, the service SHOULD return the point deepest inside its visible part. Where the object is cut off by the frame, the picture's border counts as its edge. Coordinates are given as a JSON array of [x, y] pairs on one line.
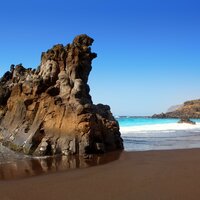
[[142, 134]]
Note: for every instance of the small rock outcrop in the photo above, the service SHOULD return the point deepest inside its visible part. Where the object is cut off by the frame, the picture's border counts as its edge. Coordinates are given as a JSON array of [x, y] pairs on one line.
[[190, 109], [186, 120], [50, 111]]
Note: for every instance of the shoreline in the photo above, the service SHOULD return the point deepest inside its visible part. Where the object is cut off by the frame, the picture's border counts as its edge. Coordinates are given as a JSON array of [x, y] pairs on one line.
[[161, 136], [165, 174], [160, 127]]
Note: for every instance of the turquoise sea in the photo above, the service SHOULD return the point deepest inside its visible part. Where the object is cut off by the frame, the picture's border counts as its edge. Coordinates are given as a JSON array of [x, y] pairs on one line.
[[142, 134], [140, 121]]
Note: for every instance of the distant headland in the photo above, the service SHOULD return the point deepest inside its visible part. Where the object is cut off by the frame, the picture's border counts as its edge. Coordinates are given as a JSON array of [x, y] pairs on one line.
[[189, 109]]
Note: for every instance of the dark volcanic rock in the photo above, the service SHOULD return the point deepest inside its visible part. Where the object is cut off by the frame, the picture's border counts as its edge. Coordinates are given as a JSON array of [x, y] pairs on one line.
[[50, 111], [186, 120]]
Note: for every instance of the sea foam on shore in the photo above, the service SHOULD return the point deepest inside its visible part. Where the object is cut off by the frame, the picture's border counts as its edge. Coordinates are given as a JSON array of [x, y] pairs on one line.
[[160, 127], [158, 134]]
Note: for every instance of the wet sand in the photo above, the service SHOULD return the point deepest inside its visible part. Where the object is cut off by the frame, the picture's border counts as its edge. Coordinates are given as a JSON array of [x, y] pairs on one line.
[[26, 167], [153, 175]]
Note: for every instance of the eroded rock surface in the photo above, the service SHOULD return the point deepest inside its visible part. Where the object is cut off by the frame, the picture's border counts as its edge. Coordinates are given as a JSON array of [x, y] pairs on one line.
[[50, 111]]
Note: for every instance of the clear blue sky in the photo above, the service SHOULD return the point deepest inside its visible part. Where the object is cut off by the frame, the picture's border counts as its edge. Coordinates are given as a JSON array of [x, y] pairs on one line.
[[148, 50]]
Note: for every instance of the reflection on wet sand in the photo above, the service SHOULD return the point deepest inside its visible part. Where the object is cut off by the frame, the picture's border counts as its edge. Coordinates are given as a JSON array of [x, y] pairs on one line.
[[37, 166]]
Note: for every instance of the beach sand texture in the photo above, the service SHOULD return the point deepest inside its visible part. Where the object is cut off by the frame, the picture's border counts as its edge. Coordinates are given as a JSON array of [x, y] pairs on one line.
[[150, 175]]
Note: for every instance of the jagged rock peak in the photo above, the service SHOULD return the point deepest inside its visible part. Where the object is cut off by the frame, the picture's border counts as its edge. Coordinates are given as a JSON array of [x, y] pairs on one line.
[[50, 111]]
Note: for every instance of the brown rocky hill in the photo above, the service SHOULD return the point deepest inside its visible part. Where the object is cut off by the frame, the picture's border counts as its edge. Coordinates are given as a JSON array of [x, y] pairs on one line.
[[190, 109], [50, 111]]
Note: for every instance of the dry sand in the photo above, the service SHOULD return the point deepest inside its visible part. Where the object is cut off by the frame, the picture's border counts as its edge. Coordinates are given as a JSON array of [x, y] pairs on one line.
[[153, 175]]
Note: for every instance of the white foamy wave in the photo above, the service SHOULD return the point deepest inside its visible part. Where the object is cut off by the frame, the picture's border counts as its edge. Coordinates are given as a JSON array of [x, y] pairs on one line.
[[172, 127]]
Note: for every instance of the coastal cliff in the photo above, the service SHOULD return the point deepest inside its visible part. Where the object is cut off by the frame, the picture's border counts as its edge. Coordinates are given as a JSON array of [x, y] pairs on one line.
[[190, 109], [49, 110]]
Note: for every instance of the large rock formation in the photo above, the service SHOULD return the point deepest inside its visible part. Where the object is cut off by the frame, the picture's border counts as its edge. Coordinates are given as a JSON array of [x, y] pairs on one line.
[[190, 109], [50, 111]]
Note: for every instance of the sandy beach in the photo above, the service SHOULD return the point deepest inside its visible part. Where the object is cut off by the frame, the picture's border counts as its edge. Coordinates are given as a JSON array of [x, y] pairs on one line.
[[151, 175]]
